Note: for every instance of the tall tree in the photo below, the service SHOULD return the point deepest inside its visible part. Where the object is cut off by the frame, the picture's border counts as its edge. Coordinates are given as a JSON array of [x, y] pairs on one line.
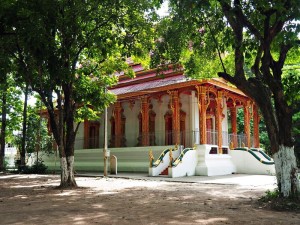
[[68, 50], [9, 93], [3, 122], [4, 70], [260, 35], [10, 110], [24, 127]]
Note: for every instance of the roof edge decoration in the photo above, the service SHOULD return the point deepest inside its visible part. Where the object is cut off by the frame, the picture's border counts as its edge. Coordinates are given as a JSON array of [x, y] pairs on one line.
[[163, 79]]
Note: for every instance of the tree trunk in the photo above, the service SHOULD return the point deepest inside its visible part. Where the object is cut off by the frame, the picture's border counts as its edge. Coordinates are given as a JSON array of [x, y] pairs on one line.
[[67, 158], [24, 130], [286, 171], [67, 172], [279, 126], [65, 136], [266, 89], [278, 120], [2, 134]]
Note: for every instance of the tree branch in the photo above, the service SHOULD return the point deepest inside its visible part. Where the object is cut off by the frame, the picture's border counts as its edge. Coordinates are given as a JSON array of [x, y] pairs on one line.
[[227, 77], [277, 66], [255, 67], [232, 15], [227, 12], [88, 35], [217, 46], [77, 127], [243, 19]]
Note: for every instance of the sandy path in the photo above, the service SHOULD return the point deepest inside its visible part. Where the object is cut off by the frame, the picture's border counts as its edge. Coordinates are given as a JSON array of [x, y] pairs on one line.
[[32, 199]]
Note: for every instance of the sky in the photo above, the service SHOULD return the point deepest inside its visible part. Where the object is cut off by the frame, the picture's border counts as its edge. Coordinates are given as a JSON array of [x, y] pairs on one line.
[[163, 11]]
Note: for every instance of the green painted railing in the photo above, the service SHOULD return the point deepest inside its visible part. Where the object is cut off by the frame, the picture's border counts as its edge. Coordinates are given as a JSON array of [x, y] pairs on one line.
[[261, 152], [252, 152], [180, 157], [160, 158]]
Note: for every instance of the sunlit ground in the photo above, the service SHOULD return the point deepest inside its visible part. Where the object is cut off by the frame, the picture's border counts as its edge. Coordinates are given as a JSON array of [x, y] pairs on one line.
[[34, 199]]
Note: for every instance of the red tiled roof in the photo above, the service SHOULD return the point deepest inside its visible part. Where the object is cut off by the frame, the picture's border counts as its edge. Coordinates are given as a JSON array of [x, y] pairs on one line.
[[149, 85], [147, 74]]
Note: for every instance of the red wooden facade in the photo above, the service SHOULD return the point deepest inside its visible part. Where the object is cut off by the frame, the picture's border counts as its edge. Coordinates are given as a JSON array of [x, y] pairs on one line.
[[212, 95]]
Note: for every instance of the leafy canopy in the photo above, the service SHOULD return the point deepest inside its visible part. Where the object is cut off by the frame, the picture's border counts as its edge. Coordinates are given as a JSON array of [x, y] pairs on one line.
[[78, 46]]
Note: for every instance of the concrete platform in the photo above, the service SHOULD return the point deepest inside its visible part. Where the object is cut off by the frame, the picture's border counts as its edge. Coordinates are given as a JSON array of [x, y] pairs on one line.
[[243, 180]]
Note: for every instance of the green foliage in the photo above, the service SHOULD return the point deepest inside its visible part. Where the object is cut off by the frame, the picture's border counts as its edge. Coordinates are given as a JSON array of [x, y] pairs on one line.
[[37, 137], [37, 132], [193, 38], [270, 195], [253, 40], [83, 43], [291, 83], [13, 106], [71, 51]]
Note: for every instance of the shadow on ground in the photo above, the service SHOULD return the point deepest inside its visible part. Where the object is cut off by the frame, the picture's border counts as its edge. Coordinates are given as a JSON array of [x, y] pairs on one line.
[[29, 199]]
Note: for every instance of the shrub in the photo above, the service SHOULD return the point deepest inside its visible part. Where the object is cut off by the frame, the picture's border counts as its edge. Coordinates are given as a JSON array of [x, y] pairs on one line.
[[37, 168]]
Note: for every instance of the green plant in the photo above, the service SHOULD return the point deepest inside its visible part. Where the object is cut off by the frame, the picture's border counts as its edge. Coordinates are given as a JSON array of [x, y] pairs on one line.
[[272, 194], [274, 200]]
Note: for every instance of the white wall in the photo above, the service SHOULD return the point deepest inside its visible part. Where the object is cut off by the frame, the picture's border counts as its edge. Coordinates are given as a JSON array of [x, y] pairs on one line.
[[185, 107], [79, 141], [10, 156], [225, 123], [247, 164], [194, 118], [225, 120], [186, 167], [132, 122], [160, 109], [213, 164]]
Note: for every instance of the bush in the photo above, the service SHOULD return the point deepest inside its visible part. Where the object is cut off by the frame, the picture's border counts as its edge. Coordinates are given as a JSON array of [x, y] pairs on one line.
[[37, 168]]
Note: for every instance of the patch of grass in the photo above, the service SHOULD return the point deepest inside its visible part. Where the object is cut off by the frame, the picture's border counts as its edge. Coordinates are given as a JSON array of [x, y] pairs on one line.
[[275, 201]]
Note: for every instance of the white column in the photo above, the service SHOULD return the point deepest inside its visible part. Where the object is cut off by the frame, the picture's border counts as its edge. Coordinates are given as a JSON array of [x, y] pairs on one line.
[[225, 123], [194, 119]]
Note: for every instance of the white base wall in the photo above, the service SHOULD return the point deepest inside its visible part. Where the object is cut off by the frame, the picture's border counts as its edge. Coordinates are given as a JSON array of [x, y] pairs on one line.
[[195, 162], [10, 155], [186, 167], [213, 164], [133, 159], [247, 164], [155, 171]]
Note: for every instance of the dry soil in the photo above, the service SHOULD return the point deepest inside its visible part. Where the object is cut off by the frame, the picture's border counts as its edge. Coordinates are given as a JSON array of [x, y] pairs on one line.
[[34, 199]]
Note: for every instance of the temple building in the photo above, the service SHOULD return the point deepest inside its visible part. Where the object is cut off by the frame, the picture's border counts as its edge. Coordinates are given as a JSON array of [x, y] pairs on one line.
[[164, 123], [169, 109]]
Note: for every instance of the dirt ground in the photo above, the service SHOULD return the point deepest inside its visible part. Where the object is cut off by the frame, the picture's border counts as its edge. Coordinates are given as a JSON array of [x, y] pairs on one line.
[[33, 199]]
